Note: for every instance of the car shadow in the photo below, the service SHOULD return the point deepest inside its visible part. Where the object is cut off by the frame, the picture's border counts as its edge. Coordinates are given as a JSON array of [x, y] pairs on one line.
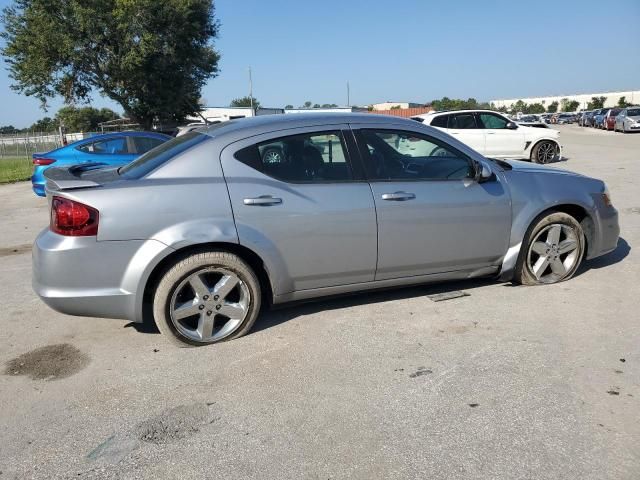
[[611, 258], [280, 314], [271, 317]]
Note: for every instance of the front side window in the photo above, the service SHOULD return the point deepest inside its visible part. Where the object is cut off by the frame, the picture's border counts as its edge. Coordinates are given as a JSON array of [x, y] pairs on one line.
[[306, 158], [492, 121], [400, 156], [114, 146]]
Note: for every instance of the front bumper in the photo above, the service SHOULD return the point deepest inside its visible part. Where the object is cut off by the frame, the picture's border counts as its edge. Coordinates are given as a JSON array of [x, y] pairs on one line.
[[607, 234], [82, 276]]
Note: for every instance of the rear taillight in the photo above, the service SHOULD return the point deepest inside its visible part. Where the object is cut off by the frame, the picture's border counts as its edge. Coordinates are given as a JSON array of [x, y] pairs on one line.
[[72, 218], [43, 161]]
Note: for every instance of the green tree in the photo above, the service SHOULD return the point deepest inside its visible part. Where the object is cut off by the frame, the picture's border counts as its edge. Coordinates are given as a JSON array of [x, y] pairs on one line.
[[622, 102], [152, 58], [316, 105], [536, 108], [596, 102], [570, 106], [288, 106], [8, 129], [45, 124], [329, 105], [519, 106], [245, 102], [85, 119], [552, 107], [307, 104], [446, 103]]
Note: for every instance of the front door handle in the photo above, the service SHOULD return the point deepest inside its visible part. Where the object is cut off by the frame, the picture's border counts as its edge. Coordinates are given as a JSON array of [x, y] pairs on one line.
[[398, 196], [263, 201]]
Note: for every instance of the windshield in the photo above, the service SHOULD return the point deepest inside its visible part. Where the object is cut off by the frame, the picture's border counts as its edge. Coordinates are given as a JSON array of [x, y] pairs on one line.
[[161, 154]]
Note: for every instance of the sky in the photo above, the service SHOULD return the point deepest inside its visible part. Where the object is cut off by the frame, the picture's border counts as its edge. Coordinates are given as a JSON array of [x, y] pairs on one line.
[[405, 50]]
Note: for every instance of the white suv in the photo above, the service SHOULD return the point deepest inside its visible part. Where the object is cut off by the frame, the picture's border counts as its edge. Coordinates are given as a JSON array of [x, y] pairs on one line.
[[494, 135]]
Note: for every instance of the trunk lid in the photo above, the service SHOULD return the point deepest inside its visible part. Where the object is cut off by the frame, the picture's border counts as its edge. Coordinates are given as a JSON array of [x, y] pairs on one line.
[[86, 175]]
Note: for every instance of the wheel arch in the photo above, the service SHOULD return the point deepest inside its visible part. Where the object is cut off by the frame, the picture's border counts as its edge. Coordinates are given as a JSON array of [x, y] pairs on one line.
[[537, 141], [576, 210], [253, 260]]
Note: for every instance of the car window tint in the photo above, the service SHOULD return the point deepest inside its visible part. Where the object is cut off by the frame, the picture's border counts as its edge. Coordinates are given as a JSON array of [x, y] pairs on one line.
[[462, 120], [397, 155], [306, 158], [491, 121], [158, 156], [144, 144], [440, 121], [113, 146], [633, 112]]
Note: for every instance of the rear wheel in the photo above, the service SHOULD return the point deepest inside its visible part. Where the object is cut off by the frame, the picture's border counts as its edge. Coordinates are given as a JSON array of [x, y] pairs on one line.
[[544, 151], [207, 298], [552, 250]]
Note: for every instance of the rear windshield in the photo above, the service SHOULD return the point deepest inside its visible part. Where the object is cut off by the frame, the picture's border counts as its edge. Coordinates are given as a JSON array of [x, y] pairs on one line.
[[161, 154], [633, 112]]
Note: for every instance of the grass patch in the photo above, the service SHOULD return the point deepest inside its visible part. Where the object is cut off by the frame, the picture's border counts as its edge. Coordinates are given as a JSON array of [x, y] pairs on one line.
[[15, 169]]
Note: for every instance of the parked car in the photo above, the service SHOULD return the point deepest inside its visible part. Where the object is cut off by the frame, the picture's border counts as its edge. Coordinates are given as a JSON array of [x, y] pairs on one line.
[[598, 118], [565, 118], [609, 120], [628, 120], [221, 231], [494, 135], [113, 149], [585, 118]]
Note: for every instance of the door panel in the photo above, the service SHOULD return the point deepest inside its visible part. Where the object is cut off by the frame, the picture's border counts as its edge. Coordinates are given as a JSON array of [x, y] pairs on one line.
[[499, 140], [316, 233], [448, 225], [464, 128], [432, 217]]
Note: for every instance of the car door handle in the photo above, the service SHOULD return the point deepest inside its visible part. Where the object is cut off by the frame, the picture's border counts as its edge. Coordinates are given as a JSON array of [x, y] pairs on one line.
[[491, 133], [263, 201], [398, 196]]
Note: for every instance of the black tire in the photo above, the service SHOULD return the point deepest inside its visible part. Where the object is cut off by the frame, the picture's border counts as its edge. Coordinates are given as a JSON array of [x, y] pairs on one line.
[[186, 267], [537, 157], [523, 274]]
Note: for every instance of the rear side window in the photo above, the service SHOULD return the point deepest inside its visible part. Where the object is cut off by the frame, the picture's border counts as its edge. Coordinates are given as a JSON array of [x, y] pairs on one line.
[[463, 121], [144, 144], [112, 146], [633, 112], [316, 157], [158, 156], [440, 121]]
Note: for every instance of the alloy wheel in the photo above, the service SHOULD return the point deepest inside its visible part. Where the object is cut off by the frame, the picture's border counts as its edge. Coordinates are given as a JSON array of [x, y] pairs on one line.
[[554, 253], [546, 152], [209, 305]]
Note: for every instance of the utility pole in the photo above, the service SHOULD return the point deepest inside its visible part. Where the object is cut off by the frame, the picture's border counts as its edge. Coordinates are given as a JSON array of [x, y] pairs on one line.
[[251, 93], [348, 95]]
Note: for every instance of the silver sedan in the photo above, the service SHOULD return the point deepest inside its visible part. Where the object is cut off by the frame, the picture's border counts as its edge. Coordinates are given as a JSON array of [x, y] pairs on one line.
[[206, 229], [628, 120]]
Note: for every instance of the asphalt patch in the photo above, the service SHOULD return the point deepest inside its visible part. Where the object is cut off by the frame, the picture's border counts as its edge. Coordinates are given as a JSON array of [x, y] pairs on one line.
[[15, 250], [51, 362], [174, 424], [170, 425]]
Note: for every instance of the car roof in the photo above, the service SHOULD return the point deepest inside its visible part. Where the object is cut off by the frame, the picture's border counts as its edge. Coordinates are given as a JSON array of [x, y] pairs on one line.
[[243, 127], [462, 110]]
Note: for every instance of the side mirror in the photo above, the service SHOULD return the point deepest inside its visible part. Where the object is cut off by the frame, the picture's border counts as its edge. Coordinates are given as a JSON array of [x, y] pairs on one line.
[[483, 172], [512, 126]]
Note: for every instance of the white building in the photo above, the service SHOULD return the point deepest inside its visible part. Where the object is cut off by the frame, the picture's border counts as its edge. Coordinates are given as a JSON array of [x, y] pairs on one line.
[[224, 114], [631, 96]]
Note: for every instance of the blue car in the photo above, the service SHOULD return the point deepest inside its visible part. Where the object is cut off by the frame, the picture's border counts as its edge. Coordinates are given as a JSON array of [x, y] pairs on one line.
[[112, 149]]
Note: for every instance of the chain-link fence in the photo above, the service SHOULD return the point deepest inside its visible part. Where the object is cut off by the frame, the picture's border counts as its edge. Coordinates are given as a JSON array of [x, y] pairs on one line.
[[21, 145]]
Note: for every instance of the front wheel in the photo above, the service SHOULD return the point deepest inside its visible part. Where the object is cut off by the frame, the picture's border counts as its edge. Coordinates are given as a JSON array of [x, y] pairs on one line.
[[207, 298], [552, 250], [544, 151]]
